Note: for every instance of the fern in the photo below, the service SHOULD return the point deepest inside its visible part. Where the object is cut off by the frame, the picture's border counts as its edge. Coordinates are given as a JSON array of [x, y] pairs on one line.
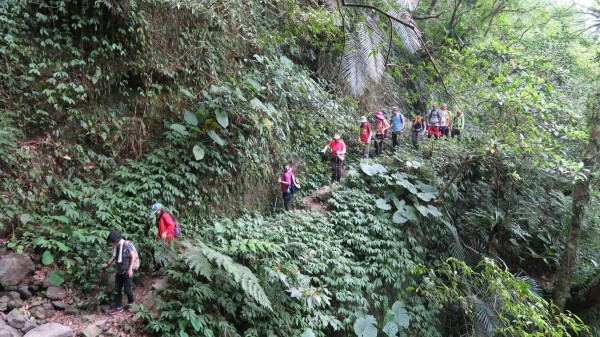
[[197, 257]]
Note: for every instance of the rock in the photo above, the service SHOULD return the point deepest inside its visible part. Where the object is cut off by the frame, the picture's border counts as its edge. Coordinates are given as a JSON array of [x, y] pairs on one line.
[[59, 305], [160, 284], [15, 300], [37, 312], [9, 331], [24, 292], [49, 309], [4, 303], [71, 310], [2, 322], [50, 330], [16, 319], [14, 268], [101, 324], [29, 325], [92, 331], [56, 293]]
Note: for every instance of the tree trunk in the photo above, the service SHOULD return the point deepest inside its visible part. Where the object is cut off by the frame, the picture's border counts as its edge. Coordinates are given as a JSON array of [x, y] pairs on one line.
[[590, 299], [581, 198]]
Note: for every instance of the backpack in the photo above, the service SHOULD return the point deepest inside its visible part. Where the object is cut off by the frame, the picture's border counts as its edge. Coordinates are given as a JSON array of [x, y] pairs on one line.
[[295, 186], [177, 230], [136, 264]]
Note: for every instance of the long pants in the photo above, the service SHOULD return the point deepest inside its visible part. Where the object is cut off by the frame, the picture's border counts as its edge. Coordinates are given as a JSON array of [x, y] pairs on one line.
[[416, 138], [287, 200], [456, 133], [379, 139], [395, 137], [336, 169], [444, 131], [366, 147], [123, 280]]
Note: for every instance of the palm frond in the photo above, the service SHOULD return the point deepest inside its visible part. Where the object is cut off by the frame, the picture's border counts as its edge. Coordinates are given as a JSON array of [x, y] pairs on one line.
[[197, 255], [411, 38], [371, 45], [485, 319], [410, 5], [353, 67]]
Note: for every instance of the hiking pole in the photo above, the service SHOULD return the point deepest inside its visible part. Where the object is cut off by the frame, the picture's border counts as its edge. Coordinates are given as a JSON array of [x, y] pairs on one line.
[[97, 286]]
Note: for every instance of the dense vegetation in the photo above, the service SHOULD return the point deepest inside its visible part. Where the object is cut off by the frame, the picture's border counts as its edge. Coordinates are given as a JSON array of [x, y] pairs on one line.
[[108, 107]]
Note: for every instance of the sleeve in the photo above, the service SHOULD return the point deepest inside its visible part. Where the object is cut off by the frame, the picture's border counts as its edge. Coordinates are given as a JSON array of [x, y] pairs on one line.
[[169, 224], [342, 149]]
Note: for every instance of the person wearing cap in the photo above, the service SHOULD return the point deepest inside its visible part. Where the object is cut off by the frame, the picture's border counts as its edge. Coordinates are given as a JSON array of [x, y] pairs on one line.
[[338, 154], [126, 256], [417, 129], [365, 136], [380, 131], [433, 121], [166, 224], [457, 124], [397, 122]]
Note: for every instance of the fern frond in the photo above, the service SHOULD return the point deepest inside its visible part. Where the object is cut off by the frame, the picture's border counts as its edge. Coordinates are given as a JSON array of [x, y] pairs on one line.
[[242, 275], [197, 261], [485, 319]]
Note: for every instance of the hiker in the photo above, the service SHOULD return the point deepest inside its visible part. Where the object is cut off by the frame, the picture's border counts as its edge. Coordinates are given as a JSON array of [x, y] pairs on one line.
[[365, 136], [417, 129], [445, 121], [338, 154], [433, 121], [457, 124], [126, 256], [166, 224], [397, 122], [288, 184], [380, 131]]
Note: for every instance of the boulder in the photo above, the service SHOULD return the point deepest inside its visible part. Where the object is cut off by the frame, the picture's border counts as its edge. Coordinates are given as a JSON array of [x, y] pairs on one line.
[[14, 268], [50, 330], [56, 293], [49, 309], [71, 310], [14, 297], [29, 325], [16, 319], [9, 331], [160, 284], [37, 312]]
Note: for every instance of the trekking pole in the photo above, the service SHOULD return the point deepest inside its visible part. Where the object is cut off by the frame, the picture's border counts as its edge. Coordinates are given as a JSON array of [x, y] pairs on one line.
[[97, 286]]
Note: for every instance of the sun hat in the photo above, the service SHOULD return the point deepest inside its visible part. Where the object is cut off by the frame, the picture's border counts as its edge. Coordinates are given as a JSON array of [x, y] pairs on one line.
[[155, 208], [337, 136], [363, 119], [379, 115]]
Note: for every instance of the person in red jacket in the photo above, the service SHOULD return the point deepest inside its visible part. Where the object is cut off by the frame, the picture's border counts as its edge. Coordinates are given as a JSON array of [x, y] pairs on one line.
[[166, 224]]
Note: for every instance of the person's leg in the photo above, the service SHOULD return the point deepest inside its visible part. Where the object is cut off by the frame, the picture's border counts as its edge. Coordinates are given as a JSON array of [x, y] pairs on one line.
[[415, 139], [129, 289], [119, 282], [340, 169], [430, 131], [287, 201], [394, 138], [333, 169]]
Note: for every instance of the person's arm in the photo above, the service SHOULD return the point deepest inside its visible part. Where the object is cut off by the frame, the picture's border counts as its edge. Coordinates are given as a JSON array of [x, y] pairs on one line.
[[132, 259], [112, 259], [325, 148], [370, 133], [343, 150]]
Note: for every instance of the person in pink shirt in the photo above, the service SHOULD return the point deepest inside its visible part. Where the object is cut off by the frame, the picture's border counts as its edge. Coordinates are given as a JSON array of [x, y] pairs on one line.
[[338, 154], [365, 136], [285, 183]]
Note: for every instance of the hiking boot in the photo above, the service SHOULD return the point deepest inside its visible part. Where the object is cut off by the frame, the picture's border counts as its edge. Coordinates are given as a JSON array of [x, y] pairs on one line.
[[115, 311]]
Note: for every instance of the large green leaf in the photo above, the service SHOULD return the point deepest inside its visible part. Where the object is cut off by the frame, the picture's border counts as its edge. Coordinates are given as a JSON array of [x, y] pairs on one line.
[[47, 258], [222, 118], [60, 218], [198, 152], [187, 92], [190, 117], [399, 217], [372, 170], [411, 213], [400, 315], [179, 128], [391, 329], [426, 196], [308, 333], [25, 219], [216, 138], [365, 326], [57, 277], [382, 204]]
